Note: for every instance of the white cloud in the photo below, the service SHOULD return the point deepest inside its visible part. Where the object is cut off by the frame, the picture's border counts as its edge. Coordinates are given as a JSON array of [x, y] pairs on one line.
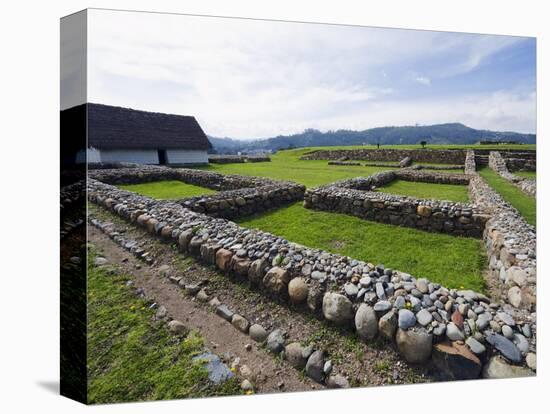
[[424, 80], [251, 79], [476, 50], [501, 110]]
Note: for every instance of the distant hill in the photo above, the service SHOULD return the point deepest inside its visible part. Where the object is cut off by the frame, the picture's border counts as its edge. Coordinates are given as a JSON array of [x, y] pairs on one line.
[[228, 144], [452, 133]]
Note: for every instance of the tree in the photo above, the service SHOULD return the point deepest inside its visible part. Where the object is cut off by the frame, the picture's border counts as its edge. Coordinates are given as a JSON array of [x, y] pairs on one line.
[[423, 143]]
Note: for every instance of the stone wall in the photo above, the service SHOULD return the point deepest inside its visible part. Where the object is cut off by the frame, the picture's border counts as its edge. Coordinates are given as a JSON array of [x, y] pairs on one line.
[[405, 162], [381, 164], [225, 159], [432, 177], [470, 162], [245, 201], [355, 197], [366, 183], [419, 155], [439, 167], [511, 247], [500, 165], [520, 161], [520, 164], [528, 186], [230, 159], [497, 163], [150, 173], [258, 158], [344, 163], [424, 319], [238, 195]]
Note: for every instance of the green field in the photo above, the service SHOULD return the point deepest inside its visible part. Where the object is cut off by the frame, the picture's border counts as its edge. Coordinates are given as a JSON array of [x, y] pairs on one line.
[[167, 190], [449, 192], [133, 358], [527, 174], [456, 262], [525, 204], [286, 165]]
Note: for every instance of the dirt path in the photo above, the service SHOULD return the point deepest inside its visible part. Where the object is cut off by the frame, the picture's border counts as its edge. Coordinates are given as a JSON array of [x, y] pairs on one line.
[[271, 375]]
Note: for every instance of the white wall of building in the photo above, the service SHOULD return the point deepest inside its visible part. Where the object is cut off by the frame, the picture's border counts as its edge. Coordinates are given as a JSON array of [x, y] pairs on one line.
[[90, 155], [176, 156], [143, 156], [136, 156]]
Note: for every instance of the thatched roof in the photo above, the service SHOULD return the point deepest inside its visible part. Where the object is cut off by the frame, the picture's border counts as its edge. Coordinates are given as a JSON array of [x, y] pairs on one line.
[[113, 127]]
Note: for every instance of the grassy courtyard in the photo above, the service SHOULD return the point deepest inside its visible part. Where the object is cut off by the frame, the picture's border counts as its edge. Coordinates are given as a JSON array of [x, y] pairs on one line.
[[456, 262], [525, 204], [133, 358], [167, 190], [450, 192]]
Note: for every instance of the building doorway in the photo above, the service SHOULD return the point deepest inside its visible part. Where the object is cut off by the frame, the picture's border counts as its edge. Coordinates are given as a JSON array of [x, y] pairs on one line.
[[162, 156]]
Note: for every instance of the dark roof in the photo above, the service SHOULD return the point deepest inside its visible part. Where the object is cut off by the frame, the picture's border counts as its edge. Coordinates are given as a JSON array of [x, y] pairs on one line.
[[113, 127]]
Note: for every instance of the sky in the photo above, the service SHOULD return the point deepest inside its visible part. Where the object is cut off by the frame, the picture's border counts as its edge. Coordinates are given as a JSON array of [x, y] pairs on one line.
[[249, 79]]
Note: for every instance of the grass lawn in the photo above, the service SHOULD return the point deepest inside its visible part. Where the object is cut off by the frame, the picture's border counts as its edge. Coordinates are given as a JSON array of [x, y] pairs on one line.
[[450, 192], [133, 358], [525, 204], [456, 262], [167, 190], [527, 174], [286, 165]]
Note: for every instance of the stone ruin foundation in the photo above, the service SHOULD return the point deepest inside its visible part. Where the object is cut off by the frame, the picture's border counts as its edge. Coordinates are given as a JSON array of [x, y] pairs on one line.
[[464, 333]]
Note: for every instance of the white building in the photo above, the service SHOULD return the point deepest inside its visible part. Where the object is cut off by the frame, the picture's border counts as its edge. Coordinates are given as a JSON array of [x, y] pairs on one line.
[[116, 134]]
